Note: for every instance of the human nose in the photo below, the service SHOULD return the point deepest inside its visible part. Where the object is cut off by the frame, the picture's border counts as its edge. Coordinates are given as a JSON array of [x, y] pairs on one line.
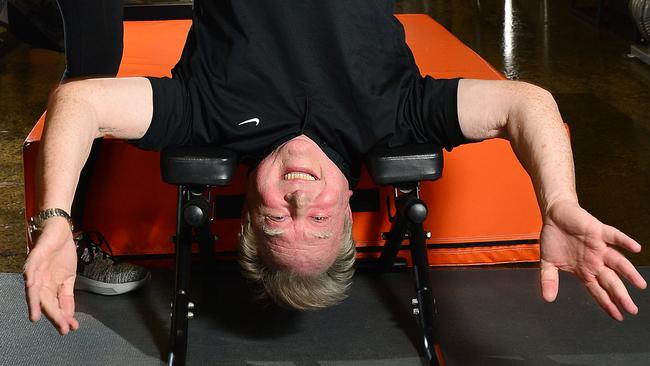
[[298, 198]]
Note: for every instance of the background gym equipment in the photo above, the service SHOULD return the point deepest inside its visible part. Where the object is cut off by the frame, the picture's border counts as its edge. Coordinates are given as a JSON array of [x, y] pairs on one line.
[[4, 18], [640, 10]]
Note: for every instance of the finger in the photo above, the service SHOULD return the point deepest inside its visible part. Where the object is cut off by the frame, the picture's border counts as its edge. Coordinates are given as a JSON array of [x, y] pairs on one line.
[[550, 280], [66, 302], [74, 324], [53, 313], [67, 309], [602, 298], [611, 283], [28, 273], [34, 302], [32, 293], [614, 236], [625, 268]]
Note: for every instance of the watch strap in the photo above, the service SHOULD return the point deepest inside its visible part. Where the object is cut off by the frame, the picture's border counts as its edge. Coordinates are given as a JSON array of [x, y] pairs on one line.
[[36, 222]]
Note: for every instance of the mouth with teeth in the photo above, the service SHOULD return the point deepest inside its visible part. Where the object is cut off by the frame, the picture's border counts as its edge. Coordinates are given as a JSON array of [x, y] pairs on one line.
[[299, 176]]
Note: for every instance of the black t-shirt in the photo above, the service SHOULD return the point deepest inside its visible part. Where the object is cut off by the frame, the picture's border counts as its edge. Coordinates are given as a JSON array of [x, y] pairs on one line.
[[260, 72]]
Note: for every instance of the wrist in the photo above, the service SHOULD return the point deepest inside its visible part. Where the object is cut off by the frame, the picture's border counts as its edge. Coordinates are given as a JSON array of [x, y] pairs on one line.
[[47, 217], [558, 201]]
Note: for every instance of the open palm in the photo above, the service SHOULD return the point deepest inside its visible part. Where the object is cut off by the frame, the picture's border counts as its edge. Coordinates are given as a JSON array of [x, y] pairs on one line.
[[50, 272], [573, 240]]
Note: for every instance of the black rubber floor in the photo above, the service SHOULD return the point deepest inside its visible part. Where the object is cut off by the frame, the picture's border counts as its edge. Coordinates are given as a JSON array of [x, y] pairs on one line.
[[488, 317]]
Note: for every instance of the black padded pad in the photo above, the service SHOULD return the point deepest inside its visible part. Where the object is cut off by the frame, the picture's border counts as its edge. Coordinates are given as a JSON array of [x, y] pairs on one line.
[[206, 166], [405, 164]]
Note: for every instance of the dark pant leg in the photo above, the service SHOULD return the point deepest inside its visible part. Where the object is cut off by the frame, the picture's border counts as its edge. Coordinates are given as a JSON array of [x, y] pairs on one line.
[[93, 37], [93, 47]]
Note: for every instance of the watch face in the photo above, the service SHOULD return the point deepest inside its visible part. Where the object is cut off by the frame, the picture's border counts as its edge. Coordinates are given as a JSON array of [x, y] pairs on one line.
[[30, 233], [32, 230]]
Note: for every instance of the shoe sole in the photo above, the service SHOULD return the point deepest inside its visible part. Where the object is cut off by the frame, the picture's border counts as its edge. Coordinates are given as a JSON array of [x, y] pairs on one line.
[[109, 289]]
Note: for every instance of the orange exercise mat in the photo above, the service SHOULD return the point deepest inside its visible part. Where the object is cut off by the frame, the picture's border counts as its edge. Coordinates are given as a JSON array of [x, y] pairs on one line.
[[482, 211]]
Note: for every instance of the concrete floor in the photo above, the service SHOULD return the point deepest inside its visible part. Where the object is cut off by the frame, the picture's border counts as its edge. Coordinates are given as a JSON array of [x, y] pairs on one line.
[[604, 96]]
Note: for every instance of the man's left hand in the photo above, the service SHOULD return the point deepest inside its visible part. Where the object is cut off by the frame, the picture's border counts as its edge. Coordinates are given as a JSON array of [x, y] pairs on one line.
[[573, 240]]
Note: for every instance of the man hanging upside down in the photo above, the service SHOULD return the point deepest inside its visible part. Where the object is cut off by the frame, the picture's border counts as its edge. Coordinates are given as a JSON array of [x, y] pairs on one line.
[[303, 90]]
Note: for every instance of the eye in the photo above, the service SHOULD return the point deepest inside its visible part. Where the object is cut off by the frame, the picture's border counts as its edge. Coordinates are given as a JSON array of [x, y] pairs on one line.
[[320, 218], [278, 218]]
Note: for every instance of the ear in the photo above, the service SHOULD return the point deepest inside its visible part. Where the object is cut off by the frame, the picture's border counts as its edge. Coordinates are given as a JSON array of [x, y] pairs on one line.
[[350, 214], [349, 210]]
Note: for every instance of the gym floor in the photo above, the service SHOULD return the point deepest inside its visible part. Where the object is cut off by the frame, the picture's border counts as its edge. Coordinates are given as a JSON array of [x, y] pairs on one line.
[[602, 94]]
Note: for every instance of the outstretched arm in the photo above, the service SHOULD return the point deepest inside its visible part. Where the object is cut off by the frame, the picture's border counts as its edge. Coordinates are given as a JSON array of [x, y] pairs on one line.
[[78, 112], [572, 240]]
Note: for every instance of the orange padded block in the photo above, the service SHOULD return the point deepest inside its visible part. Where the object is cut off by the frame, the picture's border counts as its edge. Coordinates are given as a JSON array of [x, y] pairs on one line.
[[152, 48], [482, 211]]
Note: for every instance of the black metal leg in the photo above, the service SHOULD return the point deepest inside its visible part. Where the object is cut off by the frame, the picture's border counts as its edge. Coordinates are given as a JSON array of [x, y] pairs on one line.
[[411, 213], [180, 304], [193, 170], [392, 245], [206, 245], [424, 303]]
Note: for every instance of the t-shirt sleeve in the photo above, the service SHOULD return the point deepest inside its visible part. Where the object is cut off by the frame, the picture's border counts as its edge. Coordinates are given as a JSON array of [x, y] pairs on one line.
[[171, 121], [431, 112]]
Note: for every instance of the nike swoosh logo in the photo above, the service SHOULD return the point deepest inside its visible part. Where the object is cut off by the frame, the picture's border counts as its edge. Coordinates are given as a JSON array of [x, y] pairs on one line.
[[252, 120]]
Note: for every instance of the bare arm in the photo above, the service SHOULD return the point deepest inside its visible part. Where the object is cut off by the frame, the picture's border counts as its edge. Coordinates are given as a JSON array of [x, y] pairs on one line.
[[528, 117], [78, 112], [571, 239]]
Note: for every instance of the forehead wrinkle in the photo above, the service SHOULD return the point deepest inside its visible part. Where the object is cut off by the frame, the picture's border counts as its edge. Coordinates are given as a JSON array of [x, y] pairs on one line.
[[308, 257], [322, 234]]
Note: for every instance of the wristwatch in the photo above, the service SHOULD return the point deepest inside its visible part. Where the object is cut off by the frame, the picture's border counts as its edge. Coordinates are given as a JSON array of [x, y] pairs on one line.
[[36, 222]]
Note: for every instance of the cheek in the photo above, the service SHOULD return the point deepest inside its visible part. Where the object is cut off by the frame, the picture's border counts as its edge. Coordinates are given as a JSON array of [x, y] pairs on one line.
[[337, 192], [259, 189], [267, 196], [264, 186]]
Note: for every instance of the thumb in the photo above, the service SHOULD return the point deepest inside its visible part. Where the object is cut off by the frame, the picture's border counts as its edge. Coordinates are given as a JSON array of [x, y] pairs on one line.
[[550, 280]]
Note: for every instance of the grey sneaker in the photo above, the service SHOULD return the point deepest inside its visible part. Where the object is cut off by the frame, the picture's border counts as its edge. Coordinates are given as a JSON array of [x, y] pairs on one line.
[[99, 272]]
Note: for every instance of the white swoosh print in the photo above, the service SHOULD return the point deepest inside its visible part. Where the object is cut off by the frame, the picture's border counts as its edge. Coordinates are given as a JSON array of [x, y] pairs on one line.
[[252, 120]]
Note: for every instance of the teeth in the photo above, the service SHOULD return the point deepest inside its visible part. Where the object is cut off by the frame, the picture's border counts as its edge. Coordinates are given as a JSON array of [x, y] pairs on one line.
[[299, 175]]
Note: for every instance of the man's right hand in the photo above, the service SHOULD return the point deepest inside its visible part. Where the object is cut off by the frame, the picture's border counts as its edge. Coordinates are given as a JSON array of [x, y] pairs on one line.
[[50, 272]]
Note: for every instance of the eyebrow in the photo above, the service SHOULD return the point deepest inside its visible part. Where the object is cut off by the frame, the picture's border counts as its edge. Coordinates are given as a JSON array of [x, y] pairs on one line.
[[271, 233], [274, 233]]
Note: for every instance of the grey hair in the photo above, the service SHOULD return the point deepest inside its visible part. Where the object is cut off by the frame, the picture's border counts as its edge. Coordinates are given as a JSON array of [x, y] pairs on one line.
[[294, 290]]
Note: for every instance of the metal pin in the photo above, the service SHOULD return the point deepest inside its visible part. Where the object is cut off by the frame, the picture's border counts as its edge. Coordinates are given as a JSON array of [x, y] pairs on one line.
[[190, 315], [190, 305]]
